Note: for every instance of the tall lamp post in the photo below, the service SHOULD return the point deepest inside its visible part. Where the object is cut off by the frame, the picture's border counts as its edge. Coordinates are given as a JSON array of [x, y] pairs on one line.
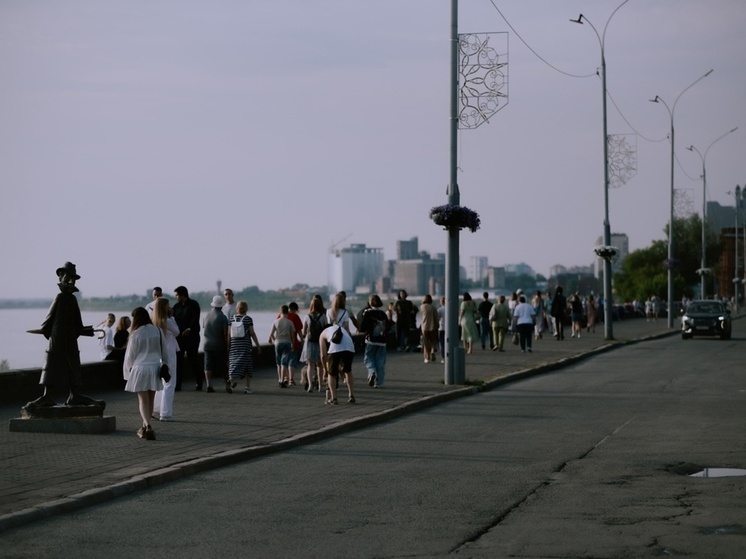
[[452, 366], [671, 110], [608, 315], [736, 279], [703, 270]]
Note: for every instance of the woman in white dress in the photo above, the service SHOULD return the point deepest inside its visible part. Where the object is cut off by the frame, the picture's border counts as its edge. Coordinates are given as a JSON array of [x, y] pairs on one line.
[[163, 408], [146, 350]]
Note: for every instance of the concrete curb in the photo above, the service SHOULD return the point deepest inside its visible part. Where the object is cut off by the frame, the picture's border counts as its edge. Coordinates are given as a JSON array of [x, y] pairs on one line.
[[230, 457]]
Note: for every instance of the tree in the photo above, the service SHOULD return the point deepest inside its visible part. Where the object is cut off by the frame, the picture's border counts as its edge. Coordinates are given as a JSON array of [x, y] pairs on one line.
[[644, 271]]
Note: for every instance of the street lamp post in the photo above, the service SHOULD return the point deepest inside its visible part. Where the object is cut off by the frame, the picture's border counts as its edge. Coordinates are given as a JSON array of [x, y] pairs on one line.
[[703, 270], [453, 369], [671, 110], [608, 315], [736, 279]]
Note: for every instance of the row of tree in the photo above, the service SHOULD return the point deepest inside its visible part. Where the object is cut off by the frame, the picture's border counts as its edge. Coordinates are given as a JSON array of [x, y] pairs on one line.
[[644, 272]]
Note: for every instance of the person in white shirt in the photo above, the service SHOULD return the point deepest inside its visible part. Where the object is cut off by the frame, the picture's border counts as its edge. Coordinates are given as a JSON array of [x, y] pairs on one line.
[[229, 307], [340, 356], [150, 307], [524, 317], [106, 340]]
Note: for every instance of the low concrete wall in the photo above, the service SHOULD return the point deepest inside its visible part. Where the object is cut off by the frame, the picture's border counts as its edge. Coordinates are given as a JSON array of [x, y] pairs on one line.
[[22, 385]]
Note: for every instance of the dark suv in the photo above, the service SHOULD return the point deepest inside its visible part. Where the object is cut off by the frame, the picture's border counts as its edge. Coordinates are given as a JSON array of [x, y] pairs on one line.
[[706, 318]]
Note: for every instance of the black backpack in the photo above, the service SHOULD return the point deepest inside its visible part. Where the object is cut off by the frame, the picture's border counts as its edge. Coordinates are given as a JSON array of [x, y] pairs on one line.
[[315, 327]]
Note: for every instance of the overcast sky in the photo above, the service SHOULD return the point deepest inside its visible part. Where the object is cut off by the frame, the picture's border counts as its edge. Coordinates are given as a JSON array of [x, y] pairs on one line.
[[181, 141]]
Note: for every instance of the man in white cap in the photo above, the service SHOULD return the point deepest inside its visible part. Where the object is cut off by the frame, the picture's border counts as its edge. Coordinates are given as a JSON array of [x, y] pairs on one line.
[[216, 331]]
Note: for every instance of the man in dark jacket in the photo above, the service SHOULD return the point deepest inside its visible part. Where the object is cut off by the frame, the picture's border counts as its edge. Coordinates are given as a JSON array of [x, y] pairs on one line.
[[375, 327], [186, 314], [559, 306]]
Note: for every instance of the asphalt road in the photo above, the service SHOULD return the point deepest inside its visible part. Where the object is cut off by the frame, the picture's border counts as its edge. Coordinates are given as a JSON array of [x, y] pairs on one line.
[[588, 461]]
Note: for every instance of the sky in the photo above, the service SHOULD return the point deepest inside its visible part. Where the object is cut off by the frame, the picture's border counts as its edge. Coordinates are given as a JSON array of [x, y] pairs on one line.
[[169, 142]]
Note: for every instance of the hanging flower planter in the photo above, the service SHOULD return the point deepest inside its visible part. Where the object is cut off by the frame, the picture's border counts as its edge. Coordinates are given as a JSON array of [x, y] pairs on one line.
[[607, 252], [452, 216]]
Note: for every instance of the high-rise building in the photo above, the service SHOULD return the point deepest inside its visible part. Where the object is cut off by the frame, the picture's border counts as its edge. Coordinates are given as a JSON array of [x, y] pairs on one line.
[[417, 277], [478, 270], [408, 250], [356, 268]]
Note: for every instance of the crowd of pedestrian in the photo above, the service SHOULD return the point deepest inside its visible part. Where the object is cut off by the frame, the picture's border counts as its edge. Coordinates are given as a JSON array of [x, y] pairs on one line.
[[317, 347]]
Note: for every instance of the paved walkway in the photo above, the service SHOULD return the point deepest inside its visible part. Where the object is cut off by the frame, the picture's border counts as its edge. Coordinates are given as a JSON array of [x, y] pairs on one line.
[[44, 474]]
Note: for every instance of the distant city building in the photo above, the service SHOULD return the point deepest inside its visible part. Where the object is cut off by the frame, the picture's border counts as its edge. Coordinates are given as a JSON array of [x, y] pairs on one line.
[[557, 270], [421, 276], [496, 278], [520, 269], [408, 250], [720, 217], [477, 270], [355, 269], [618, 240]]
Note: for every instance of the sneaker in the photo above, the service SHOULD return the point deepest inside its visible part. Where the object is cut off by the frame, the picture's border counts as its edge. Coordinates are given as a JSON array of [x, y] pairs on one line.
[[210, 389], [228, 387], [530, 350], [166, 419], [372, 380], [427, 361], [198, 388], [442, 360], [248, 391], [351, 400], [234, 383]]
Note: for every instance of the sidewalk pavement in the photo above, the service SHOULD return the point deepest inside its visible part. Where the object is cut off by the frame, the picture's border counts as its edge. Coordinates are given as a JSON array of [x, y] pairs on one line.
[[45, 474]]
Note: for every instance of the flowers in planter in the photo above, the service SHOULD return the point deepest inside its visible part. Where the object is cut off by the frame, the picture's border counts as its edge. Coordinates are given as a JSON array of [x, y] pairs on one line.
[[452, 215], [607, 252]]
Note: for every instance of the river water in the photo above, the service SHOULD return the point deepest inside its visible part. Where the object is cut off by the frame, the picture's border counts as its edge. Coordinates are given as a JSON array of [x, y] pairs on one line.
[[23, 350]]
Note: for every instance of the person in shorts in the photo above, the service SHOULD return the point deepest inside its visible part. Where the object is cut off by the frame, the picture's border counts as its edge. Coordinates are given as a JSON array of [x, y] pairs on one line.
[[340, 359], [282, 335]]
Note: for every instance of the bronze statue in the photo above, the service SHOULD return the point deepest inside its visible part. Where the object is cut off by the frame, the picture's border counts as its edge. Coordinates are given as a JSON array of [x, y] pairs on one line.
[[62, 327]]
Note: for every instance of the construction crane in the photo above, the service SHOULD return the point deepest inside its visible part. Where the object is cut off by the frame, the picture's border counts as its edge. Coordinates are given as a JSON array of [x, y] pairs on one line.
[[335, 245]]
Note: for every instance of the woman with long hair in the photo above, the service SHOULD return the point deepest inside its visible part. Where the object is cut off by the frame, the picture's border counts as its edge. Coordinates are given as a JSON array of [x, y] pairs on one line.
[[241, 351], [468, 321], [314, 323], [146, 350], [163, 407], [429, 325], [121, 335]]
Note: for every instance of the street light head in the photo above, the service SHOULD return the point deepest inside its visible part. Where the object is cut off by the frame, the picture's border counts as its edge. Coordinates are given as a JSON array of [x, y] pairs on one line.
[[690, 148], [579, 20], [655, 100]]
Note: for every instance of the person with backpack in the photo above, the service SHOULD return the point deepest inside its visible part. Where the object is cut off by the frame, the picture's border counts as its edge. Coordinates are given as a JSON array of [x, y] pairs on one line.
[[374, 325], [314, 323]]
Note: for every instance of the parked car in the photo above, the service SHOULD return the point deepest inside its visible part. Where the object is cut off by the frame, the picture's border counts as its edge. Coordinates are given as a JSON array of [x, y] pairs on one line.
[[706, 318]]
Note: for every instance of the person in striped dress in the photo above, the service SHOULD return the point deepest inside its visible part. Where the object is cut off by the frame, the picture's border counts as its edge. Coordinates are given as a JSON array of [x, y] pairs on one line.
[[242, 344]]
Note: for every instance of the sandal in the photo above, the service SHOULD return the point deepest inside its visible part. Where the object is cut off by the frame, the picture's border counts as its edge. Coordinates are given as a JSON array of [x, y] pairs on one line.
[[351, 400]]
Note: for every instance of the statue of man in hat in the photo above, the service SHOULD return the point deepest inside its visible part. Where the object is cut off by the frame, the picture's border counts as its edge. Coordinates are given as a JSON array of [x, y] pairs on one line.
[[62, 327]]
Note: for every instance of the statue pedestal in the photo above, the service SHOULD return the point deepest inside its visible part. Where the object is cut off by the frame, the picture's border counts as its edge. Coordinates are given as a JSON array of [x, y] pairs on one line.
[[88, 420]]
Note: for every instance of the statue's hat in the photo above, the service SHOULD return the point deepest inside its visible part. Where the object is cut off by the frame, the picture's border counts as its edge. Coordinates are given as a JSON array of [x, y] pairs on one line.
[[69, 269]]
